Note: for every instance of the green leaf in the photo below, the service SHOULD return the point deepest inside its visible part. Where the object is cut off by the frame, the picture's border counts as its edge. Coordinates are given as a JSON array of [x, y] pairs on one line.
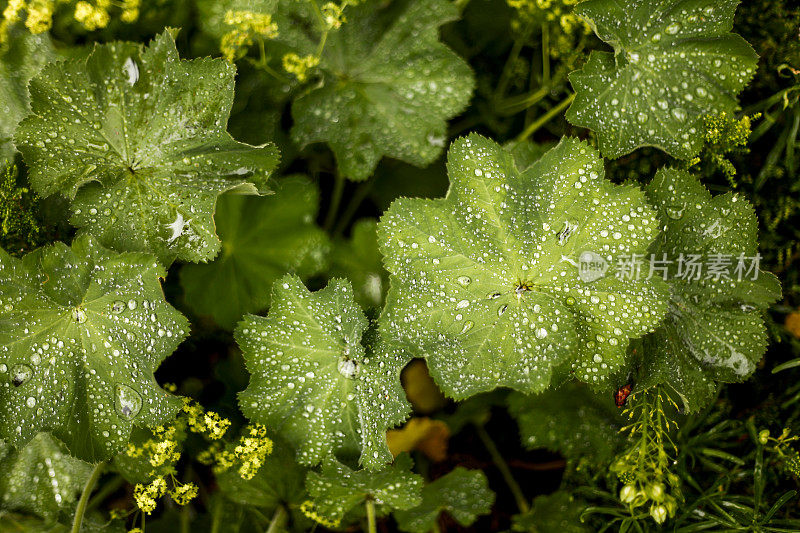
[[388, 85], [82, 330], [571, 420], [263, 237], [336, 489], [359, 260], [558, 512], [673, 62], [41, 478], [22, 57], [315, 381], [714, 330], [136, 138], [463, 493], [486, 283]]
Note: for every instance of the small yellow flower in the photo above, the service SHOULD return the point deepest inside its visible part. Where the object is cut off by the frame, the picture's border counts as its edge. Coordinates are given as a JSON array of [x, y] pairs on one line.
[[40, 16], [333, 16], [183, 494], [299, 66], [307, 508]]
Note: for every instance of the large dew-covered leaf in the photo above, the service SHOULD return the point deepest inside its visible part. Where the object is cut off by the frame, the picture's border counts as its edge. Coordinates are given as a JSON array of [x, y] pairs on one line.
[[136, 138], [40, 478], [337, 489], [463, 494], [388, 85], [22, 57], [673, 62], [512, 273], [315, 380], [263, 238], [714, 330], [82, 330]]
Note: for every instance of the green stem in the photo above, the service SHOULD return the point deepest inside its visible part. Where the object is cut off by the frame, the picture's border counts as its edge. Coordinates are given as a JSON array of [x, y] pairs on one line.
[[84, 501], [372, 525], [109, 487], [352, 206], [278, 520], [502, 466], [502, 85], [544, 119], [545, 54], [336, 199]]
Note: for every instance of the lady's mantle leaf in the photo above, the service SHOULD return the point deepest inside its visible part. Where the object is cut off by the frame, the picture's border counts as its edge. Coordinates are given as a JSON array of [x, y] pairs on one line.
[[41, 478], [388, 83], [136, 138], [511, 274], [81, 332], [22, 57], [263, 237], [714, 330], [336, 489], [673, 61], [558, 512], [571, 420], [313, 380], [463, 493]]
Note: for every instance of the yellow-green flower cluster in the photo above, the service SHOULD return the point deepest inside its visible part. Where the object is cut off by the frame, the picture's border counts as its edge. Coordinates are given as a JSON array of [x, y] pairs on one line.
[[725, 134], [643, 467], [252, 449], [147, 496], [38, 19], [308, 509], [333, 15], [250, 452], [208, 423], [93, 16], [299, 66], [781, 446], [247, 26], [556, 14]]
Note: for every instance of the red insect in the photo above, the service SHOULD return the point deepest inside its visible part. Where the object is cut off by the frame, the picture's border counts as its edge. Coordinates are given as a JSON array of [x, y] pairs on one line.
[[621, 396]]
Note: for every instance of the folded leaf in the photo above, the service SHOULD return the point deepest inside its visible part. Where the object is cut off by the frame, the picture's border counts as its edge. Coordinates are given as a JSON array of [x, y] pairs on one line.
[[136, 138], [41, 478], [315, 381], [510, 275], [714, 330], [82, 330], [388, 84], [463, 494], [673, 62], [336, 489]]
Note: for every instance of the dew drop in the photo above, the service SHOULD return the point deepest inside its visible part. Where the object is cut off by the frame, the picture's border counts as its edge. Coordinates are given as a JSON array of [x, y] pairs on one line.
[[117, 307], [673, 28], [467, 326], [502, 310], [675, 212], [679, 113], [127, 401], [20, 374], [348, 368], [464, 280], [79, 315]]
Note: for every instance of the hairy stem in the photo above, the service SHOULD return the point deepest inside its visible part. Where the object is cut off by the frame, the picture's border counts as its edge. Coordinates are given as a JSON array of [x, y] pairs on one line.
[[84, 501], [371, 523], [544, 119], [278, 520], [502, 466], [336, 199]]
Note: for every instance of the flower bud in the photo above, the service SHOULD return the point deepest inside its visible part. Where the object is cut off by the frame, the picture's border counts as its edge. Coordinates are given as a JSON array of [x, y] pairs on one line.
[[659, 513], [763, 436], [655, 492], [627, 494]]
